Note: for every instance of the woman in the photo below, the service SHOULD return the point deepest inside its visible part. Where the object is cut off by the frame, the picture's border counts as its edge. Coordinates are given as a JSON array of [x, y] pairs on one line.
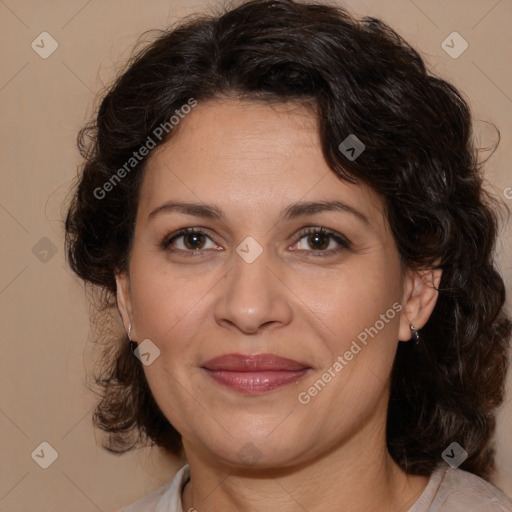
[[287, 212]]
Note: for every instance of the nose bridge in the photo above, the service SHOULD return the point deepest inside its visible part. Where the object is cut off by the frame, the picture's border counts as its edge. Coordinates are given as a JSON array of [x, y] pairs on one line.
[[252, 295]]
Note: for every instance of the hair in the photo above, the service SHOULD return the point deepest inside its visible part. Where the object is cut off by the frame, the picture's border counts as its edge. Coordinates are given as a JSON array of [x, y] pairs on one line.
[[360, 77]]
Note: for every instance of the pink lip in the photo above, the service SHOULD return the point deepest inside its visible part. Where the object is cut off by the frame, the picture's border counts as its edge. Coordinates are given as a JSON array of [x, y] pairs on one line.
[[252, 374]]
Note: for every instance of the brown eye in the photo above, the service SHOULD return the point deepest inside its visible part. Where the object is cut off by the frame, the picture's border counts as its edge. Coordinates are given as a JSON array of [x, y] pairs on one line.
[[319, 241], [324, 241], [193, 241], [187, 240]]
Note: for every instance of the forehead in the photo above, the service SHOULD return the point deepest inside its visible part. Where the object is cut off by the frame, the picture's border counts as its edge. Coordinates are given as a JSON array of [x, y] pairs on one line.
[[252, 155]]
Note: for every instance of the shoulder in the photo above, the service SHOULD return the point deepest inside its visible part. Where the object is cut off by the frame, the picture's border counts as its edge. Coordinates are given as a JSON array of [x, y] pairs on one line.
[[455, 490], [166, 498], [148, 502], [472, 492]]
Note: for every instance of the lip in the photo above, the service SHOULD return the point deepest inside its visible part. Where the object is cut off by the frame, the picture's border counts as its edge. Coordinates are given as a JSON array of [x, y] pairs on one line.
[[253, 374], [253, 363]]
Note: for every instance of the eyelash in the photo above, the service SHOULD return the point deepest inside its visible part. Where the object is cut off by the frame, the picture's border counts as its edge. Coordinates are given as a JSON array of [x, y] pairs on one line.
[[341, 240]]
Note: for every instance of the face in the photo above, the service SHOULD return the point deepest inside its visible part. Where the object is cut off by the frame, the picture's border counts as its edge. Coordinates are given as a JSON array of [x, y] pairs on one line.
[[263, 273]]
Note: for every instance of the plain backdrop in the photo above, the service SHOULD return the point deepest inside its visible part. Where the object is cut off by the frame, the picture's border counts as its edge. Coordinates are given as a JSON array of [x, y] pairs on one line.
[[46, 336]]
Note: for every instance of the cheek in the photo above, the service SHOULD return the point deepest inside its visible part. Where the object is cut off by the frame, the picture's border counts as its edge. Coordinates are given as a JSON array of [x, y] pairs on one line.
[[167, 310], [169, 307], [354, 297], [363, 314]]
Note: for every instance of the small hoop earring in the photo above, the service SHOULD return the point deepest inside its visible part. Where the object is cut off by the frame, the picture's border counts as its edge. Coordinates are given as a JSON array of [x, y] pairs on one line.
[[133, 344], [415, 334]]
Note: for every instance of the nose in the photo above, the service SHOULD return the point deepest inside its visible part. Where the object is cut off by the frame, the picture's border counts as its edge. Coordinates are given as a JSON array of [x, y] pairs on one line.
[[253, 296]]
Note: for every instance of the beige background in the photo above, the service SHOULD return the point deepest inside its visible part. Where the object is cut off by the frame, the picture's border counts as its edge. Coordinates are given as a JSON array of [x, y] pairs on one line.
[[43, 310]]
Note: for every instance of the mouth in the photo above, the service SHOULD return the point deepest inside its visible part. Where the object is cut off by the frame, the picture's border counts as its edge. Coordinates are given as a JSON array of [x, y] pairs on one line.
[[254, 374]]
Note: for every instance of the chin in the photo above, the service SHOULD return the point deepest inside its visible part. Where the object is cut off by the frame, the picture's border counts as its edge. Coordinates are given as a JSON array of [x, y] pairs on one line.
[[256, 450]]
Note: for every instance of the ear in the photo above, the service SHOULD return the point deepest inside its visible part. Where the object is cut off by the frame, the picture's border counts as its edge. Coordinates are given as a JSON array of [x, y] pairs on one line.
[[419, 300], [123, 299]]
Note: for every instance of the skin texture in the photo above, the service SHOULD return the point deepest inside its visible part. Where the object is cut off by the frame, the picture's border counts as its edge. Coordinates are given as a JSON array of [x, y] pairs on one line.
[[252, 160]]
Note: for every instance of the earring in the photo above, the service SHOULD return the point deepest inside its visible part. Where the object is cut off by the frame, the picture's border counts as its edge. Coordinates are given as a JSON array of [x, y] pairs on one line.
[[415, 334], [133, 344]]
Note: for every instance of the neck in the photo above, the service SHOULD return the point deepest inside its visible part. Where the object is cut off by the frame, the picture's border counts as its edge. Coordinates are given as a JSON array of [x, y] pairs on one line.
[[358, 475]]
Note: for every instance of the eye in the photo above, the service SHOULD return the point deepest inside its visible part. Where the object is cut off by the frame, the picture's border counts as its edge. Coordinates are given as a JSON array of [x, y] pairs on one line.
[[324, 240], [193, 239]]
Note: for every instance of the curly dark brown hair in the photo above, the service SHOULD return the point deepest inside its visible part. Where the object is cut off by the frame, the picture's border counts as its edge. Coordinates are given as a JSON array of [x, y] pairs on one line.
[[361, 78]]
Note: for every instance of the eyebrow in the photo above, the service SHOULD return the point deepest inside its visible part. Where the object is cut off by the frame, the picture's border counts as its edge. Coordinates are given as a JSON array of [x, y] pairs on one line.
[[292, 211]]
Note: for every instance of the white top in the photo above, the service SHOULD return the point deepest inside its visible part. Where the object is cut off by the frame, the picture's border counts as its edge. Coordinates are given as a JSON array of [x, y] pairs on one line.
[[448, 490]]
